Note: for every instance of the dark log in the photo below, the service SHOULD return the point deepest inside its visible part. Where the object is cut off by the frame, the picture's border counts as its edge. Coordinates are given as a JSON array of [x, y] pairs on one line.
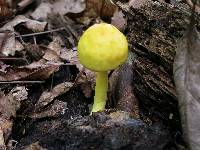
[[152, 30], [100, 131]]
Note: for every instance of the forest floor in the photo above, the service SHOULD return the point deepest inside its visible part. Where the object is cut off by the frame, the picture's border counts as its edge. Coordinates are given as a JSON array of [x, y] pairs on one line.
[[46, 95]]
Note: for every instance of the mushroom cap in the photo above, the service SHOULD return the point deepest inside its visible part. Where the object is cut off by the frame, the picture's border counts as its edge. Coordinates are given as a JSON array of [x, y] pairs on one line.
[[102, 47]]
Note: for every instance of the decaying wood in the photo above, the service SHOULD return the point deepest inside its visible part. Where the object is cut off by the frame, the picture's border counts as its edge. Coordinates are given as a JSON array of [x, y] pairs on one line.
[[153, 29], [121, 90]]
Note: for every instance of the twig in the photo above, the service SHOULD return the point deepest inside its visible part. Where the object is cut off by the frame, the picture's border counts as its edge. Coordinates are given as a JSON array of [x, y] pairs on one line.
[[39, 33], [17, 82], [52, 81], [12, 58], [53, 64]]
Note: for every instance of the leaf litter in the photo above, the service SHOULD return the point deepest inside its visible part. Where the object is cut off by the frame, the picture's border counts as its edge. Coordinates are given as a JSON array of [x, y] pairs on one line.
[[35, 46]]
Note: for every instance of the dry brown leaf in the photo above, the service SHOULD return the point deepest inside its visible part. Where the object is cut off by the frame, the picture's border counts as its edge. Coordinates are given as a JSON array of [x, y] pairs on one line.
[[119, 20], [48, 96], [86, 75], [102, 8], [61, 7], [11, 44], [4, 11], [9, 104], [33, 25], [55, 109], [53, 50], [40, 71], [14, 74], [69, 55], [68, 6], [187, 81], [86, 79], [35, 64], [51, 55], [42, 11], [3, 67], [6, 128]]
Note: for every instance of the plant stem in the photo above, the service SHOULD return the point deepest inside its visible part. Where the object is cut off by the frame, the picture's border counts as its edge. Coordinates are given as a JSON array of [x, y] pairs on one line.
[[100, 91]]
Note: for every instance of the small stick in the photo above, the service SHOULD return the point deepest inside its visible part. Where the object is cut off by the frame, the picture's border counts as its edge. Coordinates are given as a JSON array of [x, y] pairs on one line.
[[39, 33], [10, 58], [17, 82], [52, 64]]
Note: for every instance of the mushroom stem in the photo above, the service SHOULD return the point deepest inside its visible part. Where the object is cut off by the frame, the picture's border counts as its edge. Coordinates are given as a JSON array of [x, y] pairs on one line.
[[100, 91]]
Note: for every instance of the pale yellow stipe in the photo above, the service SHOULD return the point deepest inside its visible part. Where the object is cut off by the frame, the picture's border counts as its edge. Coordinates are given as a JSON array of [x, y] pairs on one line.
[[100, 91]]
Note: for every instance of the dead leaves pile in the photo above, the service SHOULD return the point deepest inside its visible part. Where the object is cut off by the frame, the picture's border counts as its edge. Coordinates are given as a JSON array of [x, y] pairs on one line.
[[32, 50]]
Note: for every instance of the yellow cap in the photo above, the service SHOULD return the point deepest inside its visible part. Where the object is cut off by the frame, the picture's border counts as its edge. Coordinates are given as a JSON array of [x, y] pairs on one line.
[[102, 47]]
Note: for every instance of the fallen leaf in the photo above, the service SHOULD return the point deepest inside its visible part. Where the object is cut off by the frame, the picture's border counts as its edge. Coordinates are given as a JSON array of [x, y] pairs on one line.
[[54, 110], [69, 55], [19, 93], [33, 25], [102, 8], [68, 6], [3, 67], [53, 50], [33, 71], [42, 11], [6, 127], [5, 12], [86, 75], [187, 80], [11, 44], [118, 20], [48, 96], [9, 104], [61, 7], [42, 73]]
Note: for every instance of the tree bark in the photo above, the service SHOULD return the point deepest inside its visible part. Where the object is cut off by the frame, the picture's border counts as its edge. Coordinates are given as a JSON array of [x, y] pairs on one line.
[[152, 30]]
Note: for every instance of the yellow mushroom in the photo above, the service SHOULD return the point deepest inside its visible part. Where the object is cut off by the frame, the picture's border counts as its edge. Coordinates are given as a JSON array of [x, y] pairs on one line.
[[101, 48]]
